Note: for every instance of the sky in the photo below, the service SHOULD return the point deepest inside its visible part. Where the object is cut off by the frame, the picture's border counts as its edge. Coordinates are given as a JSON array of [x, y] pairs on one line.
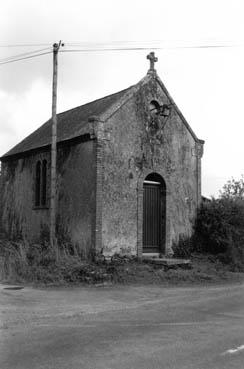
[[205, 83]]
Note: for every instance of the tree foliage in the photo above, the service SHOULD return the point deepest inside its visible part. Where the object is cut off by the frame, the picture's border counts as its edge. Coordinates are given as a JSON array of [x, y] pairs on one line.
[[233, 189]]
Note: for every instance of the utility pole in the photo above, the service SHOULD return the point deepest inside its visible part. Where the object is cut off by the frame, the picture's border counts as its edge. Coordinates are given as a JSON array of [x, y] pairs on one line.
[[53, 240]]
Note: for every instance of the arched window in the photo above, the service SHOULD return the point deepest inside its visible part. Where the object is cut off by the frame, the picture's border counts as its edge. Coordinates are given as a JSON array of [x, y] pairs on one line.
[[38, 184], [41, 183], [44, 183], [154, 108]]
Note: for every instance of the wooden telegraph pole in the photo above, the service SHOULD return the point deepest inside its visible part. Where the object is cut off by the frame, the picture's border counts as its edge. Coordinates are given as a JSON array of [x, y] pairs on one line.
[[53, 240]]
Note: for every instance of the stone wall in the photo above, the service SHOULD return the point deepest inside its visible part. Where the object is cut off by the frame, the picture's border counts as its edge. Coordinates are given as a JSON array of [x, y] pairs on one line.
[[100, 179], [137, 145], [75, 199], [77, 193]]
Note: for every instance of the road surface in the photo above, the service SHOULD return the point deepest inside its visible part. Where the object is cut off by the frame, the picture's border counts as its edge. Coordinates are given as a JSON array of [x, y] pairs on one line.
[[122, 327]]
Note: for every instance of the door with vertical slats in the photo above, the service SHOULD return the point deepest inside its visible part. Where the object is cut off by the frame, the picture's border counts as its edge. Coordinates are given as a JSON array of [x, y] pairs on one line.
[[152, 217]]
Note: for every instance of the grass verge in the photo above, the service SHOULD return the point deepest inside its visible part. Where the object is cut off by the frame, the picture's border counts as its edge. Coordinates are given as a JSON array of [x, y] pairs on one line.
[[20, 264]]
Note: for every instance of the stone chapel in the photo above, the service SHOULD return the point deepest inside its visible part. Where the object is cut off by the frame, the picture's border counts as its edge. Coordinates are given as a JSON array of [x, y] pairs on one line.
[[128, 174]]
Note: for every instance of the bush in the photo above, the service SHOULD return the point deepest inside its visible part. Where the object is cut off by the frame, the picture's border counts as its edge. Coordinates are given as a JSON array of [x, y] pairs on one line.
[[183, 248], [219, 229]]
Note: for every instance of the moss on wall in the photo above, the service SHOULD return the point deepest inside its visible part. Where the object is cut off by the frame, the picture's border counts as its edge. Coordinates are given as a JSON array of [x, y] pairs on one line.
[[140, 144], [75, 195]]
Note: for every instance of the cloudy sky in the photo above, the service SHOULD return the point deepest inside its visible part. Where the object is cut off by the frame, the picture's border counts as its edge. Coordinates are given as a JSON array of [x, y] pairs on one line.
[[206, 83]]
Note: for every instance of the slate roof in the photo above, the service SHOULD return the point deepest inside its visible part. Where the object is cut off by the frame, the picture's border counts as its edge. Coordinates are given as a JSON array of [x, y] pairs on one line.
[[71, 124]]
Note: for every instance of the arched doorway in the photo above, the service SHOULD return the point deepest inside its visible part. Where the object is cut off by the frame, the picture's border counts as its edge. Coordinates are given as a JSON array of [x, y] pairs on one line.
[[154, 214]]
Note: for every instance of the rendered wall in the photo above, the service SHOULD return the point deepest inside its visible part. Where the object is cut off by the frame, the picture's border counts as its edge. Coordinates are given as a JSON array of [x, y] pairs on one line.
[[75, 195], [136, 146]]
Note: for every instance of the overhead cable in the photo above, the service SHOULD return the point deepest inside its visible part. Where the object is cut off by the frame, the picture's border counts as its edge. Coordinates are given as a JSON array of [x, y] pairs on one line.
[[33, 54], [25, 45], [143, 48], [27, 57], [23, 54]]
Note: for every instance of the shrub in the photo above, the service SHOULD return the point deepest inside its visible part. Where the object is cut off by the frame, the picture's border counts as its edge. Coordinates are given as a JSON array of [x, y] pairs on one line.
[[183, 248], [219, 229]]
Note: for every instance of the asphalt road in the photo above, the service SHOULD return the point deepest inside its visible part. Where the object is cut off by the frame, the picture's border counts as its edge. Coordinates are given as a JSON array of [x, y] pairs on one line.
[[122, 328]]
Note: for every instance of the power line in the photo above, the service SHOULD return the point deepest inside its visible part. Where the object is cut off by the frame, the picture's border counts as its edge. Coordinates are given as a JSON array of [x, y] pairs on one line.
[[206, 46], [110, 49], [26, 45], [145, 48], [124, 42], [23, 54], [33, 54], [27, 57], [155, 43]]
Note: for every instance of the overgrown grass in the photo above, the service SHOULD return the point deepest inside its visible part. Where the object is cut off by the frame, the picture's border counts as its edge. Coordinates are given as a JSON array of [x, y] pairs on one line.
[[38, 262], [218, 240]]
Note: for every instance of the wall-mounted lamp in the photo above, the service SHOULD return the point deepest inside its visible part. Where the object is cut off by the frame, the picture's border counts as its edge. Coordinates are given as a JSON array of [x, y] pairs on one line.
[[162, 110], [165, 110]]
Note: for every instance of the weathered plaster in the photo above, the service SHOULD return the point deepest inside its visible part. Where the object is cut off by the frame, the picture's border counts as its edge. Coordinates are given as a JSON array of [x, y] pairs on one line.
[[75, 195], [100, 177], [136, 147]]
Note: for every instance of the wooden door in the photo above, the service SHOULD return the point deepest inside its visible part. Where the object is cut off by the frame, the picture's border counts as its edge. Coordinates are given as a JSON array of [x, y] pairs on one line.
[[153, 217]]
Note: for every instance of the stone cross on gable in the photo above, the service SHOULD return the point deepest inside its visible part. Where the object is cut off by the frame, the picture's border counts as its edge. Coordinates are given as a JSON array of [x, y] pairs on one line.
[[153, 60]]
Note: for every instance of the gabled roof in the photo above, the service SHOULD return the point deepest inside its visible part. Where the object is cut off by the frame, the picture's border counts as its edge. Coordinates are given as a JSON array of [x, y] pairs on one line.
[[71, 123], [74, 123]]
